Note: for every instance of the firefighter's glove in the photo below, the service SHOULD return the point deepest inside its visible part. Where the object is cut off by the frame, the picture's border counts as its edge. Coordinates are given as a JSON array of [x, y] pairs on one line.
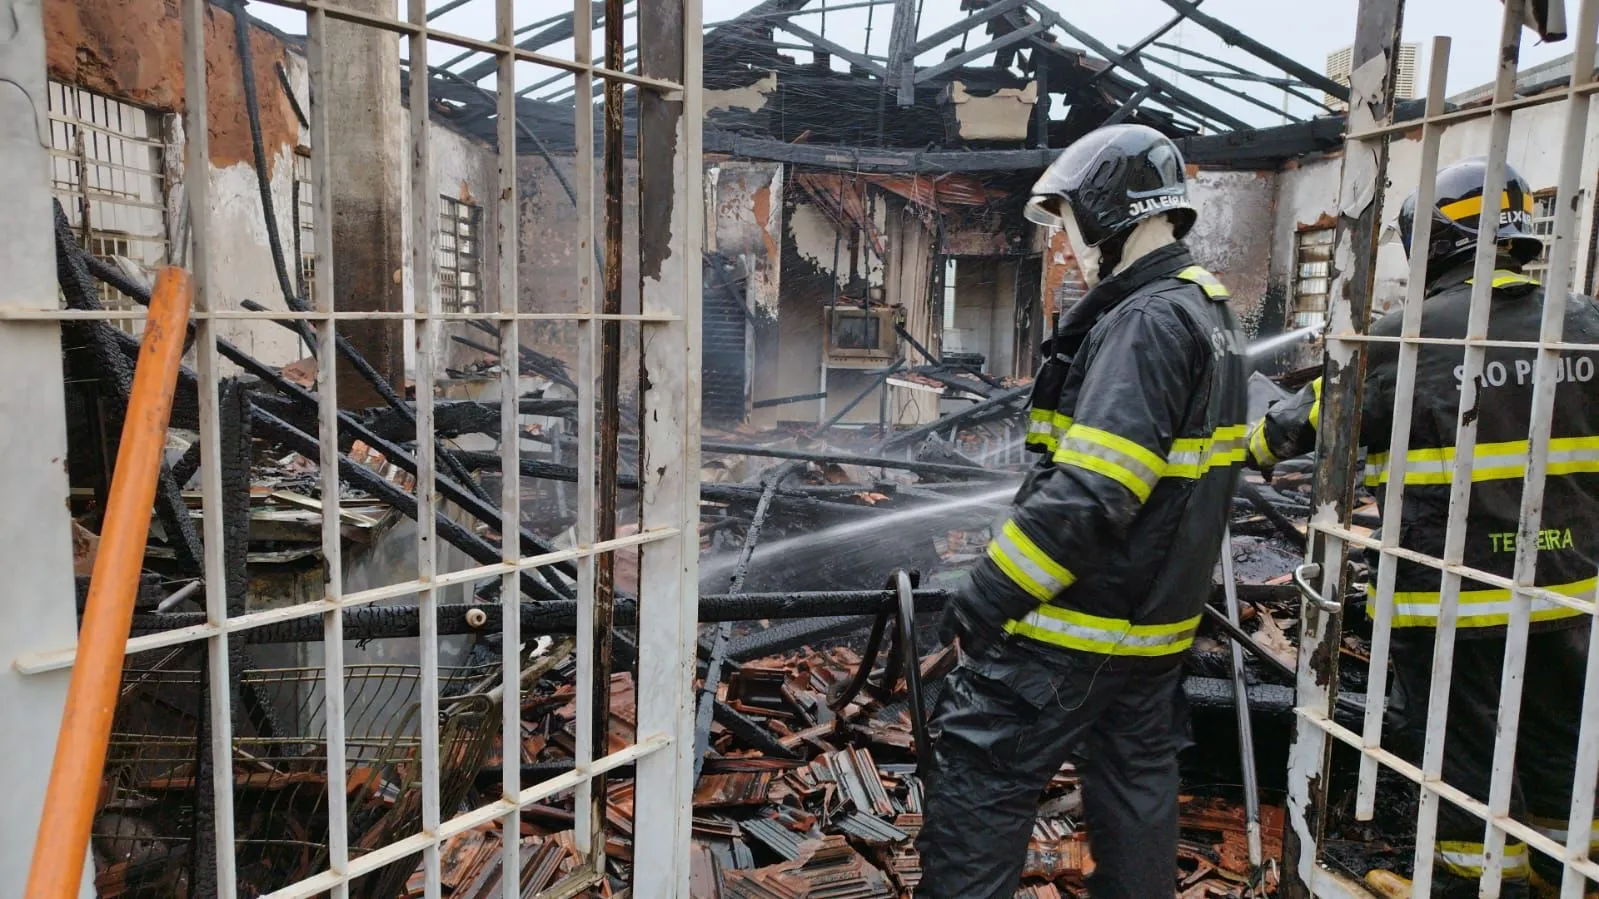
[[971, 618], [1257, 455]]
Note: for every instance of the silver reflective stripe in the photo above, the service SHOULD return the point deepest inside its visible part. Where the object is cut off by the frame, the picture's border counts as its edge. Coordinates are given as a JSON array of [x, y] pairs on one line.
[[1191, 457], [1125, 638], [1131, 464], [1014, 559], [1467, 863]]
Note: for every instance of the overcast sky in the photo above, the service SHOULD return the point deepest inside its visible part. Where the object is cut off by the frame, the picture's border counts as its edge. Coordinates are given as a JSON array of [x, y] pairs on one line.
[[1305, 30]]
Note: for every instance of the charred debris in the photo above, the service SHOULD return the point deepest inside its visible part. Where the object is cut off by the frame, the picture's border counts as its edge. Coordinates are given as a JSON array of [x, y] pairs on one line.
[[826, 548], [807, 776]]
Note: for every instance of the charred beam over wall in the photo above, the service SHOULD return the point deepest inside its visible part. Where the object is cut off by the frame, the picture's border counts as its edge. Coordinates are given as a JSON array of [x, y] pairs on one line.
[[560, 616], [1235, 38], [1248, 148], [1365, 169]]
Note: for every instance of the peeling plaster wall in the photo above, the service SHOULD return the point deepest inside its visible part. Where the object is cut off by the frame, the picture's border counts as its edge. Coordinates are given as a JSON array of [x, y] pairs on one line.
[[752, 98], [985, 312], [467, 170], [133, 50], [745, 221], [1232, 237], [1063, 282], [1005, 114], [554, 257], [1308, 192]]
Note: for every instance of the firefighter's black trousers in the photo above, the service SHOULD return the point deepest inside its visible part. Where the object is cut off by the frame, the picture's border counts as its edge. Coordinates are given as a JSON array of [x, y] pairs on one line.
[[1008, 720], [1546, 745]]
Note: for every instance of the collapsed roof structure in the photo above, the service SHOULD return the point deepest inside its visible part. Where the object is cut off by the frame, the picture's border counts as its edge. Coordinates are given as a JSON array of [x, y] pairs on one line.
[[887, 110]]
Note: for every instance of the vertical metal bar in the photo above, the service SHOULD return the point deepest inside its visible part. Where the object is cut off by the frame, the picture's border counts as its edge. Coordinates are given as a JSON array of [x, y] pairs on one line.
[[671, 179], [35, 549], [1365, 169], [506, 234], [587, 350], [319, 82], [1557, 280], [610, 414], [424, 299], [208, 370], [1579, 823], [1399, 440], [1460, 485]]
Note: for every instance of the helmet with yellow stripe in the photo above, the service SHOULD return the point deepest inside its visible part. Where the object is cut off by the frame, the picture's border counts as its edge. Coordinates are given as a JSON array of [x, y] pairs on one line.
[[1457, 215]]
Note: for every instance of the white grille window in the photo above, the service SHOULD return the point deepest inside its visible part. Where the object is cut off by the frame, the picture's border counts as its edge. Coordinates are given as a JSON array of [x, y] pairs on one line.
[[106, 169], [1543, 225], [1312, 263], [306, 210], [460, 255]]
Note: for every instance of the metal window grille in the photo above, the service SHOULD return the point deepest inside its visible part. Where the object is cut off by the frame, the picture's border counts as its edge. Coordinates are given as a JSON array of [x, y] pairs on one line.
[[666, 85], [1312, 266], [106, 170], [305, 204], [1543, 225], [460, 257], [1372, 125]]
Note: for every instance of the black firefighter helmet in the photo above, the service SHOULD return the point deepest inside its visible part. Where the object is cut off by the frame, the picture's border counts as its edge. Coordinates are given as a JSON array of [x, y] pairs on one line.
[[1112, 179], [1457, 214]]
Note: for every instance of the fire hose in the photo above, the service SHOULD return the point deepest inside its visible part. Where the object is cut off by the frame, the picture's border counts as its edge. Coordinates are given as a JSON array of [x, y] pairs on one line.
[[903, 659]]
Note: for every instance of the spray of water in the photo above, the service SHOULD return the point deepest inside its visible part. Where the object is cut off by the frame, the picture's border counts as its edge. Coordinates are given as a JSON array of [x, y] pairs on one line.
[[1277, 342], [722, 567]]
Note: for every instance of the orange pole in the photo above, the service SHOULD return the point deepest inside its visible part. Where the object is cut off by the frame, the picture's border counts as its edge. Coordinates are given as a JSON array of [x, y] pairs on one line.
[[74, 787]]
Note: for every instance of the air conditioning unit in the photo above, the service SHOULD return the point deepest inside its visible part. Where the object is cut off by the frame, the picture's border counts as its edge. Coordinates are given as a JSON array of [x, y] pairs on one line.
[[861, 335]]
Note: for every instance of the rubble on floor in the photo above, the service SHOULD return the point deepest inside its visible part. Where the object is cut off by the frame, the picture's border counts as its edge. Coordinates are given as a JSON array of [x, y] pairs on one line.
[[838, 820]]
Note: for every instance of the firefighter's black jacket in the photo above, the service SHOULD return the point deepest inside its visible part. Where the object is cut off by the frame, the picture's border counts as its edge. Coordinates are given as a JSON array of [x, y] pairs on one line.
[[1141, 406], [1568, 541]]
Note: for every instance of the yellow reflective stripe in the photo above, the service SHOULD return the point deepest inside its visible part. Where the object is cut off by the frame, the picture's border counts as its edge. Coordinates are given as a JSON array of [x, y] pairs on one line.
[[1191, 457], [1478, 608], [1471, 206], [1027, 566], [1490, 462], [1046, 427], [1106, 636], [1466, 859], [1315, 407], [1258, 446], [1196, 274], [1506, 278], [1113, 456], [1555, 829]]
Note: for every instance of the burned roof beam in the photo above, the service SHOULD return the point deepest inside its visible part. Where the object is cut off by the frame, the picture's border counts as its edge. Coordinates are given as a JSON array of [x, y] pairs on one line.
[[1288, 85], [752, 17], [1127, 108], [457, 60], [559, 76], [902, 51], [994, 46], [1256, 101], [827, 46], [1235, 38], [750, 23], [1249, 148], [1138, 48], [561, 31], [1193, 104], [965, 25]]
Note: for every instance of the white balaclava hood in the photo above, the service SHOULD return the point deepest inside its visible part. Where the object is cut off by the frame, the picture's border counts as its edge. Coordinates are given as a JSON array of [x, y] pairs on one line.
[[1146, 237]]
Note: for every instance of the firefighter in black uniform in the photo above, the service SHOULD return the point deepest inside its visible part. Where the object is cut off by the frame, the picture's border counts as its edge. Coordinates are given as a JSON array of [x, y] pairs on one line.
[[1568, 546], [1074, 625]]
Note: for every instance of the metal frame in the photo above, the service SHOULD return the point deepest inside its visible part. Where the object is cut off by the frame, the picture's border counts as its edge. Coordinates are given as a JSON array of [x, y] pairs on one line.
[[32, 680], [1371, 126]]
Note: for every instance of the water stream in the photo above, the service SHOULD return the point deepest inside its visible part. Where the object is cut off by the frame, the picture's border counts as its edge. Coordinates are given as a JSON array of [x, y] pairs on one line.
[[1277, 342], [721, 568]]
